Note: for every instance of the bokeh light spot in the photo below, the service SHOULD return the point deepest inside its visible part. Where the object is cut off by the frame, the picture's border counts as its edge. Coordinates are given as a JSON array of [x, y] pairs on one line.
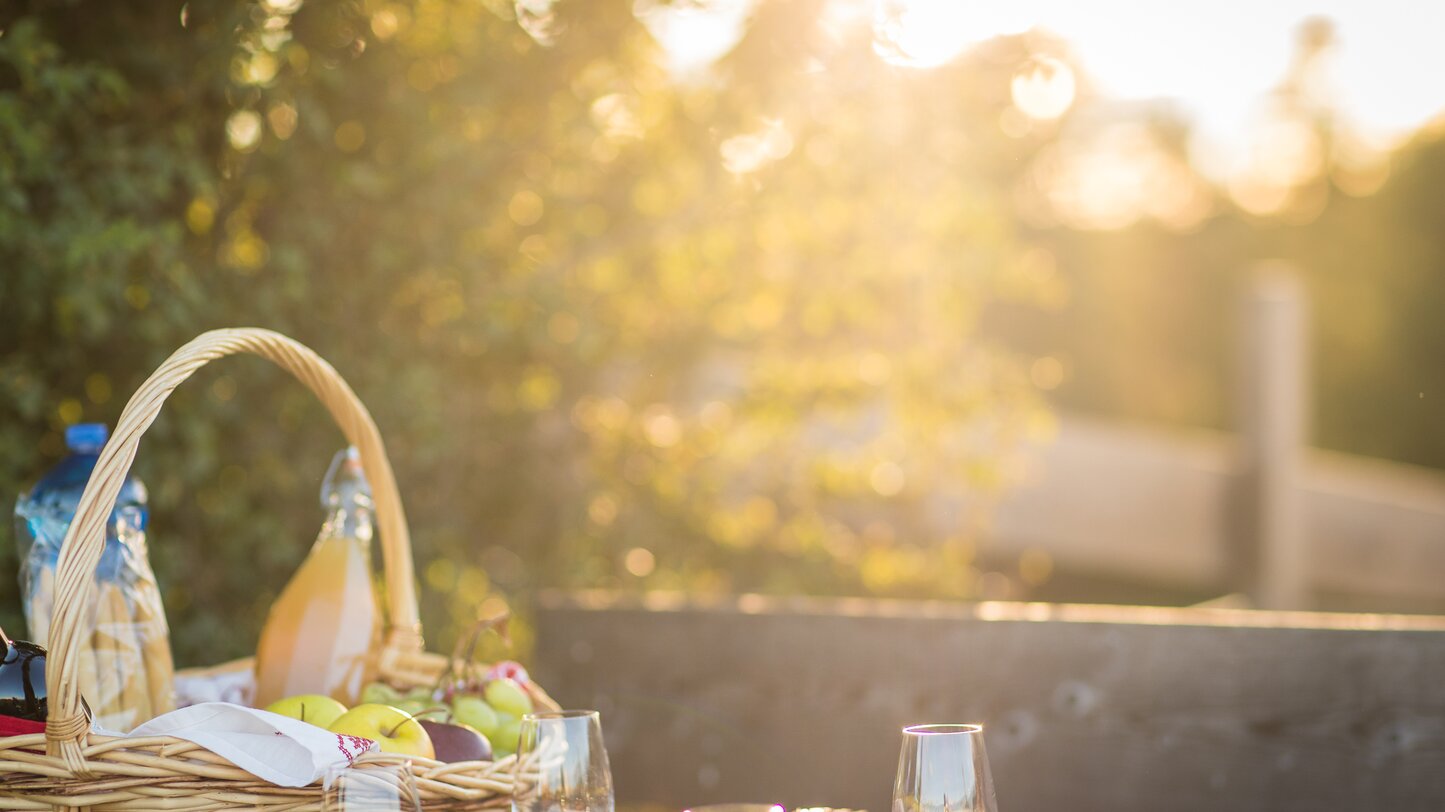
[[1043, 88], [350, 136], [525, 208], [1047, 373], [640, 562], [887, 478], [69, 411], [224, 388], [97, 388], [716, 415], [243, 130], [661, 427], [384, 23], [282, 118], [200, 216], [752, 151], [602, 510]]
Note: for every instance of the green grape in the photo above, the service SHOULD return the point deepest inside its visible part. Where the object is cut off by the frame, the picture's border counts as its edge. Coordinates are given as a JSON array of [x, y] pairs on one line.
[[508, 697], [509, 731], [379, 693], [472, 710]]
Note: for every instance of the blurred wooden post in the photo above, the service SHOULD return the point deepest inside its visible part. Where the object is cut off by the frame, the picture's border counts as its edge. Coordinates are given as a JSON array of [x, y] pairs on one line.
[[1276, 558]]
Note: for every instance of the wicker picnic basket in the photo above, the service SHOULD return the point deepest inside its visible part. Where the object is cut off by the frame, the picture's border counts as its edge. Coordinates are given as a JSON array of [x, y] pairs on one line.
[[68, 767]]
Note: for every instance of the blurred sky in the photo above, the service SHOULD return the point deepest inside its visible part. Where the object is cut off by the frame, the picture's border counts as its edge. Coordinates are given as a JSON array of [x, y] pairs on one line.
[[1217, 58]]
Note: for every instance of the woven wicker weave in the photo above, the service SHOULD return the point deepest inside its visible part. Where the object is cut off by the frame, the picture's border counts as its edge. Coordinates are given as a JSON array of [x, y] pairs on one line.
[[67, 767]]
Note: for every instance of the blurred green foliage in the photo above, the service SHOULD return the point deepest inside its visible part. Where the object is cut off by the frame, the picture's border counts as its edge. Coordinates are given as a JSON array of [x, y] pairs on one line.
[[619, 331]]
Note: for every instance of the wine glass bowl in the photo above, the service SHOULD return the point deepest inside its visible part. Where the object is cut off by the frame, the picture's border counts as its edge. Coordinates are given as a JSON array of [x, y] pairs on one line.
[[562, 764], [943, 768]]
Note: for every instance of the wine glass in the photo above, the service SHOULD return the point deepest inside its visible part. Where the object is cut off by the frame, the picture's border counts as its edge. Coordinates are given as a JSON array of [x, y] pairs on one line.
[[375, 788], [943, 768], [561, 764]]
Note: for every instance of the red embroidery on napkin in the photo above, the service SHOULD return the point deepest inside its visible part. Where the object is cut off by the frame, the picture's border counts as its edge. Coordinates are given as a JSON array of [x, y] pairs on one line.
[[346, 744]]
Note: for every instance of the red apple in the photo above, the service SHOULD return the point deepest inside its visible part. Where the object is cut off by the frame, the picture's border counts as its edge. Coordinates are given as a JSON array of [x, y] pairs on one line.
[[454, 741]]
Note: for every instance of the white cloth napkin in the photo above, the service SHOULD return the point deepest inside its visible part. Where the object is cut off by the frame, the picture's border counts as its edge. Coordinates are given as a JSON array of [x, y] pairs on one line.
[[275, 748]]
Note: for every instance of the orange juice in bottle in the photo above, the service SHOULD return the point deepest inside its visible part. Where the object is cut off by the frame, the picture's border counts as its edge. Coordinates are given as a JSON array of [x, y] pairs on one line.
[[321, 629]]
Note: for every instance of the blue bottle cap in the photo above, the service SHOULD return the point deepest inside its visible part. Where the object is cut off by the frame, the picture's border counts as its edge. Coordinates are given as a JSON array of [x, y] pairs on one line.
[[86, 438]]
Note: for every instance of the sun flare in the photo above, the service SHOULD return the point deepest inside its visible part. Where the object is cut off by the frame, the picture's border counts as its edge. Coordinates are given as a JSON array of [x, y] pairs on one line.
[[928, 33]]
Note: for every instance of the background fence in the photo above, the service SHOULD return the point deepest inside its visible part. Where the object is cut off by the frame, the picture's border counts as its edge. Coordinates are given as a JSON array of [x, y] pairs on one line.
[[1255, 515], [1088, 709]]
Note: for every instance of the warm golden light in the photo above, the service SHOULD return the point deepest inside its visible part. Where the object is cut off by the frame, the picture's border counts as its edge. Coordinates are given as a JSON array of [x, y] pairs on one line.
[[616, 115], [640, 562], [749, 152], [1043, 89], [243, 130], [887, 478], [927, 33], [282, 118], [1115, 177], [661, 427], [350, 136], [919, 33]]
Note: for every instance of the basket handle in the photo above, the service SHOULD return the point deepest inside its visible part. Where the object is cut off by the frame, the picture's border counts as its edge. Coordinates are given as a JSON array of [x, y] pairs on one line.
[[67, 725]]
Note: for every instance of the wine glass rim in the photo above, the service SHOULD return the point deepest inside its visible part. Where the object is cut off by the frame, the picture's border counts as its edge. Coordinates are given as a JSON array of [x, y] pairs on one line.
[[945, 729], [560, 714]]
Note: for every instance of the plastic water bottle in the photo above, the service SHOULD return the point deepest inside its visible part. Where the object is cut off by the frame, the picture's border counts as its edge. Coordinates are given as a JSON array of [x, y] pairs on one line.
[[44, 514], [125, 663]]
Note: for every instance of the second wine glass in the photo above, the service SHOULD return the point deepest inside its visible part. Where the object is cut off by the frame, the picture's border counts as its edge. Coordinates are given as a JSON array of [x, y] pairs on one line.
[[561, 764], [943, 768]]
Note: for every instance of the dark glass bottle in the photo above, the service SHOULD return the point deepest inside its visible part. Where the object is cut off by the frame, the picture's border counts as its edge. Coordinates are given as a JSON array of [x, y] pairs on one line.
[[22, 680]]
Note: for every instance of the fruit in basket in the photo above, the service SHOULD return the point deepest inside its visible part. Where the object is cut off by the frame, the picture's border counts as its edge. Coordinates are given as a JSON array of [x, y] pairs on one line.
[[457, 742], [314, 708], [474, 711], [507, 696], [414, 701], [414, 706], [509, 669], [379, 693], [393, 729], [509, 731]]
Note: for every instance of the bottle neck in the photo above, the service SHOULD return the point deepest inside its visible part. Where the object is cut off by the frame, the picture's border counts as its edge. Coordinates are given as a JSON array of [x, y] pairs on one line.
[[351, 522]]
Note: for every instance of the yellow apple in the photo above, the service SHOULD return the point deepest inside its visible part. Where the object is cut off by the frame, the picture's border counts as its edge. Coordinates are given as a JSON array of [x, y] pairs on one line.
[[391, 728], [314, 708]]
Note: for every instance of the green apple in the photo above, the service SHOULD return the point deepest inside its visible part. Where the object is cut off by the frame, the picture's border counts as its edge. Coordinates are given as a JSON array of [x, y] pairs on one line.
[[474, 711], [507, 696], [391, 728], [379, 693], [314, 708]]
